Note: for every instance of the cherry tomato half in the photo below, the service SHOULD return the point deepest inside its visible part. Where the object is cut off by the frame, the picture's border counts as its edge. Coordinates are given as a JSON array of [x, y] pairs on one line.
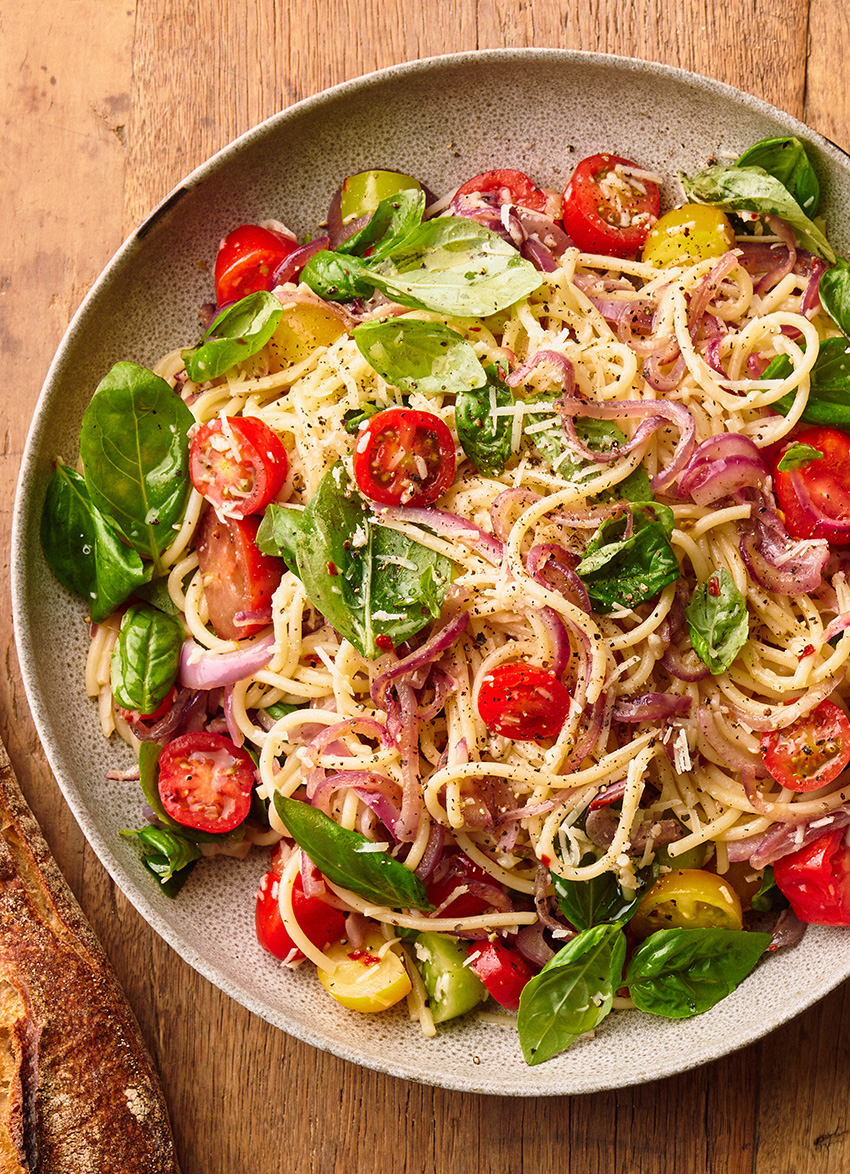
[[511, 187], [205, 781], [688, 898], [319, 922], [815, 498], [238, 464], [404, 457], [816, 879], [523, 702], [452, 875], [502, 969], [607, 212], [812, 751], [237, 576], [246, 261]]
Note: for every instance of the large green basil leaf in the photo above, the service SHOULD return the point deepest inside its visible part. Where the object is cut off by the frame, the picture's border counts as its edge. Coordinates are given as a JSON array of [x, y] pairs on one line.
[[752, 189], [135, 454], [146, 658], [348, 859], [484, 436], [678, 973], [427, 357], [392, 221], [337, 277], [237, 333], [786, 160], [572, 994], [167, 854], [84, 550], [280, 532], [834, 294], [623, 572], [601, 900], [829, 385], [366, 579], [718, 621]]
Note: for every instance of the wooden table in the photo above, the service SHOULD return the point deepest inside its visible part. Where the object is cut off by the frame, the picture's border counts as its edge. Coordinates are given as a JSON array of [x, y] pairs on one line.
[[107, 104]]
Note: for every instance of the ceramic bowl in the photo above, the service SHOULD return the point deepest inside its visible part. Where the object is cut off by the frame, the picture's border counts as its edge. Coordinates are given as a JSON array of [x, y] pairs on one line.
[[442, 120]]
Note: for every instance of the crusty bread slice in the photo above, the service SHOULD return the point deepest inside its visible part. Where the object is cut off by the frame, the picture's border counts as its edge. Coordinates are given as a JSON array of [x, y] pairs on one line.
[[78, 1091]]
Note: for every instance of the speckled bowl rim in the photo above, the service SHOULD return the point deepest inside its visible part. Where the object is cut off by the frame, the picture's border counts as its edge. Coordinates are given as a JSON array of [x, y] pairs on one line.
[[732, 1029]]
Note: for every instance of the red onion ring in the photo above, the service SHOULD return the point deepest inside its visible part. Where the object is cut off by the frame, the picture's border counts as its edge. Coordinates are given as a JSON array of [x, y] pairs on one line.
[[434, 647], [652, 707], [201, 669], [721, 466], [449, 525], [775, 275], [295, 262], [776, 561], [562, 365]]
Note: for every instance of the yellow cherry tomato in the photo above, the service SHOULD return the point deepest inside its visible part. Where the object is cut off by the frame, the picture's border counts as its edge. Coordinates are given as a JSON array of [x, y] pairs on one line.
[[688, 234], [303, 327], [689, 898], [365, 978]]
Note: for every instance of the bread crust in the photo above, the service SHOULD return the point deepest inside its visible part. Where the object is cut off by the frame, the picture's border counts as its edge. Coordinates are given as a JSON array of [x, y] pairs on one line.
[[78, 1091]]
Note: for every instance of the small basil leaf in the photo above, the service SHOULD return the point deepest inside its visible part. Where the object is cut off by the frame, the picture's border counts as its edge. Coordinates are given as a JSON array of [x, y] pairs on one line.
[[797, 456], [83, 548], [280, 709], [146, 658], [678, 973], [135, 452], [718, 621], [427, 357], [623, 572], [280, 532], [337, 277], [237, 333], [786, 160], [572, 994], [354, 417], [346, 858], [484, 436], [602, 899], [391, 222], [834, 294], [165, 852], [829, 385], [752, 189], [769, 896], [156, 593]]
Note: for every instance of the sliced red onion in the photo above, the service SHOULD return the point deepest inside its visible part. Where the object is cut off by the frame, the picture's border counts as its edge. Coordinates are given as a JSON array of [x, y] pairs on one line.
[[789, 931], [562, 365], [434, 647], [201, 669], [541, 230], [233, 730], [778, 716], [293, 264], [540, 257], [785, 266], [558, 638], [652, 707], [609, 795], [541, 900], [684, 664], [510, 501], [602, 823], [260, 615], [656, 378], [776, 561], [449, 525], [704, 293], [444, 685], [433, 853], [787, 837], [836, 627], [534, 947], [728, 751], [553, 567], [721, 466], [810, 301]]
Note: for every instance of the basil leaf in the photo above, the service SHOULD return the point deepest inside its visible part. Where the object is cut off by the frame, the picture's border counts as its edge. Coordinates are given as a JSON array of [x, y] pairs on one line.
[[484, 436], [237, 333], [279, 533], [623, 572], [455, 266], [354, 417], [135, 452], [718, 621], [337, 277], [165, 852], [834, 294], [797, 456], [83, 548], [572, 994], [602, 899], [391, 222], [427, 357], [156, 593], [146, 658], [366, 579], [769, 896], [752, 189], [829, 385], [786, 160], [346, 858], [678, 973], [279, 709]]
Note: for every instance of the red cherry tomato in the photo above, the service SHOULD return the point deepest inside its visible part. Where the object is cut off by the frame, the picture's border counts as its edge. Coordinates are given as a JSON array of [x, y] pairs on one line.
[[502, 969], [816, 879], [205, 781], [523, 702], [404, 457], [133, 716], [812, 751], [511, 187], [246, 261], [605, 211], [815, 498], [237, 576], [452, 874], [319, 922], [239, 465]]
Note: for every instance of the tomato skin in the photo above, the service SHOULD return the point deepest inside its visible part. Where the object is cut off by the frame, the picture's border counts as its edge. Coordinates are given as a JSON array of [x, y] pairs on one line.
[[523, 702], [205, 781], [240, 478], [465, 904], [319, 922], [132, 715], [246, 261], [511, 187], [502, 969], [388, 455], [593, 220], [816, 879], [825, 482], [370, 978], [691, 233], [812, 751], [688, 898], [237, 575]]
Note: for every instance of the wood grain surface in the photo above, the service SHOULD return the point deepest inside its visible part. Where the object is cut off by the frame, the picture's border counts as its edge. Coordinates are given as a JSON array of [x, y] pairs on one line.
[[106, 105]]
